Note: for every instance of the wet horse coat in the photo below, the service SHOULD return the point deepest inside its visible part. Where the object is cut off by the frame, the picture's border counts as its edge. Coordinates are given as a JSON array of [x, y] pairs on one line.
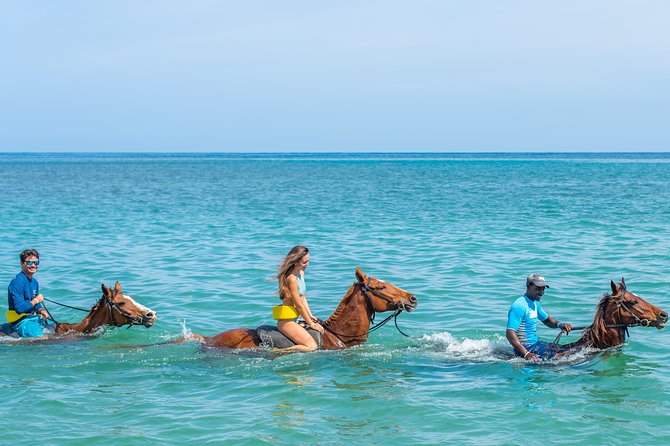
[[349, 324]]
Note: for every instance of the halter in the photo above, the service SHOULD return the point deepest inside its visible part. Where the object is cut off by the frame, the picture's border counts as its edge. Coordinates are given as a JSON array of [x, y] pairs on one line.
[[399, 307], [638, 322]]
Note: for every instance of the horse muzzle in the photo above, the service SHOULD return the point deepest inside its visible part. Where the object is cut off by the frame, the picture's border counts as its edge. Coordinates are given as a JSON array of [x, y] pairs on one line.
[[149, 318], [411, 304], [660, 321]]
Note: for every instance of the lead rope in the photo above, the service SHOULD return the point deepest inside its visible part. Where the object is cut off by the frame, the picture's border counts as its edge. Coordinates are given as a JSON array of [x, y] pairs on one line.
[[66, 306], [573, 328], [49, 312], [62, 305]]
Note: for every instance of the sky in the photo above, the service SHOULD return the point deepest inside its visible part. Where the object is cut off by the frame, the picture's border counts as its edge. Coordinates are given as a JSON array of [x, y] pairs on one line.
[[334, 76]]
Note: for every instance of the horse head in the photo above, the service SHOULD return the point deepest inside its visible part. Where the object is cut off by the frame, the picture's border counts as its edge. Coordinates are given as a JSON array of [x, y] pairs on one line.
[[124, 310], [631, 310], [383, 296]]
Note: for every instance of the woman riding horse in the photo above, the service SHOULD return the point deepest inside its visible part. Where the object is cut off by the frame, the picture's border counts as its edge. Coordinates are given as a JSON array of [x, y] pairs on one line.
[[349, 324]]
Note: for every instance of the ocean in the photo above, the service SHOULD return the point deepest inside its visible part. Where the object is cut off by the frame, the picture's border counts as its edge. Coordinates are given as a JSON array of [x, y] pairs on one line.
[[198, 238]]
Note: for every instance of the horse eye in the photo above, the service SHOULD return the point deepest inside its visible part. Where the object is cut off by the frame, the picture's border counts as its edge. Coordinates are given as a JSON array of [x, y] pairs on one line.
[[120, 304]]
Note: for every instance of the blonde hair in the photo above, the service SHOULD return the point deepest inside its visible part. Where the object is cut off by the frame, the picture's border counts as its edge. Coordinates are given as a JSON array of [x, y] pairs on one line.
[[290, 261]]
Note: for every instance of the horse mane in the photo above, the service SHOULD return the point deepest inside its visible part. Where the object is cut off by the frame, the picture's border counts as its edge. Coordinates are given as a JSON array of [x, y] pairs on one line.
[[597, 332], [341, 307]]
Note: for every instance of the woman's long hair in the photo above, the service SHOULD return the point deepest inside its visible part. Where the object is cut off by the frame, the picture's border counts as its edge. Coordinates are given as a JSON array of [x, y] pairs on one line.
[[292, 259]]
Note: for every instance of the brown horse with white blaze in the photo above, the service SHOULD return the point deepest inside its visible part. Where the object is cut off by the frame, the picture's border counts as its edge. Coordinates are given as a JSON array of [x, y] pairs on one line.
[[114, 308], [349, 324]]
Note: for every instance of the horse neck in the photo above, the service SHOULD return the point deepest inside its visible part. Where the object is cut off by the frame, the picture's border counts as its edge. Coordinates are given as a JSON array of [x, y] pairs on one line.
[[605, 331], [99, 315], [350, 320]]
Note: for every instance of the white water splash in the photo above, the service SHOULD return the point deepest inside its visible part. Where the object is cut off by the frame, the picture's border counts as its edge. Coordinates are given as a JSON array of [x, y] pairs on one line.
[[185, 331], [492, 350], [481, 349]]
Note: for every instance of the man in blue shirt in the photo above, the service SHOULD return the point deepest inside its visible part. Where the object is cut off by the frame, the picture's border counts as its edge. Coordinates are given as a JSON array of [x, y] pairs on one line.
[[522, 321], [27, 314]]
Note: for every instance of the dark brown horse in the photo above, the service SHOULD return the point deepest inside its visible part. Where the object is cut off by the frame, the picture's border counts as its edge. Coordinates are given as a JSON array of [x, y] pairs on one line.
[[349, 324], [113, 308], [615, 313]]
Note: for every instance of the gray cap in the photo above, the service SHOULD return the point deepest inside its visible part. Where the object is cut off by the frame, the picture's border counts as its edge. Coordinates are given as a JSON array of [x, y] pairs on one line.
[[537, 280]]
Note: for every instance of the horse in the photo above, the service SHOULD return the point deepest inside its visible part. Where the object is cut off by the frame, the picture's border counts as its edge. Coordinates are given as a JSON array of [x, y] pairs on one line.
[[113, 308], [615, 313], [349, 325]]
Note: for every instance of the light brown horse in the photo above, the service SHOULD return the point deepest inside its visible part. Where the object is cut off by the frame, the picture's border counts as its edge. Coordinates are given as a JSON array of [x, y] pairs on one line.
[[349, 324], [614, 314], [113, 308]]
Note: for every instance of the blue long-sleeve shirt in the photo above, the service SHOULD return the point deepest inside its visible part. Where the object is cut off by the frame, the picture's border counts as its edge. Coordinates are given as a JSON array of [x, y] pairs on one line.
[[21, 291]]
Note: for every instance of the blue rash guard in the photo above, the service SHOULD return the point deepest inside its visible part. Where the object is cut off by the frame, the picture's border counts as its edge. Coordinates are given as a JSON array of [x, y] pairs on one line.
[[20, 292], [522, 318]]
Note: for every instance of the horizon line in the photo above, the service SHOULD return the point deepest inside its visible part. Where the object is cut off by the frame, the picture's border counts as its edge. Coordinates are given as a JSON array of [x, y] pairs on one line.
[[374, 152]]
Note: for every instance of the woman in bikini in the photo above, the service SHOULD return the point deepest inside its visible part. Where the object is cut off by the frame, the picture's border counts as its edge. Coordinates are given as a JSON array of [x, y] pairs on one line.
[[291, 277]]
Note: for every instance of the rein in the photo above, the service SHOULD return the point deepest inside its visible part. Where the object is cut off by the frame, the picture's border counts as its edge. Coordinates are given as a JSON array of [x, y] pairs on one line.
[[639, 322], [135, 320], [365, 288]]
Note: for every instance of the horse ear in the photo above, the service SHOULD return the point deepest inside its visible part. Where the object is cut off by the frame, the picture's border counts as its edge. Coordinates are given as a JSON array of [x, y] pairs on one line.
[[614, 289], [117, 287], [106, 291], [360, 275], [623, 282]]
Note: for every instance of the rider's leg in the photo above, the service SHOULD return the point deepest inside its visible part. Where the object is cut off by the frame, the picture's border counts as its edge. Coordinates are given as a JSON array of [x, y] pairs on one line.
[[293, 331]]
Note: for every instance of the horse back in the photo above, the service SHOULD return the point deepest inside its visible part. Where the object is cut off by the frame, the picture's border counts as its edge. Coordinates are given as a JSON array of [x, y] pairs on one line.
[[235, 338], [271, 337]]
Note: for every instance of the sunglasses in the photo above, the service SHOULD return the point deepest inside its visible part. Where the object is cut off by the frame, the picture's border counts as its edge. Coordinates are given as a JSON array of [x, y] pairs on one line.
[[32, 262]]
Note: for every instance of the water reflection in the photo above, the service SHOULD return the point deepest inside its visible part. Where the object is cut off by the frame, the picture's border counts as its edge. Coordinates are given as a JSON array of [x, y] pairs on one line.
[[288, 416], [294, 379], [369, 379]]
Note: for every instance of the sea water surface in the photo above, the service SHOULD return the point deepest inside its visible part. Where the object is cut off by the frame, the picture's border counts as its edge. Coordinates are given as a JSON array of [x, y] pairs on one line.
[[198, 238]]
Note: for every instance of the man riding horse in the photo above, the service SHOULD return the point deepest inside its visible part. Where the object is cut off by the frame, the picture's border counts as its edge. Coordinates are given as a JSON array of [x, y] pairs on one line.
[[522, 321]]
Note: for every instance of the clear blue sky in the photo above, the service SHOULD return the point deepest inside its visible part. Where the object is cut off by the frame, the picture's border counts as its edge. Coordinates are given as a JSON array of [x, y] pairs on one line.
[[321, 76]]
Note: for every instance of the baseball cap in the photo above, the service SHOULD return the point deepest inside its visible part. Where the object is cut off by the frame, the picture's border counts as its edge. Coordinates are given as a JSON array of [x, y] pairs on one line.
[[537, 280]]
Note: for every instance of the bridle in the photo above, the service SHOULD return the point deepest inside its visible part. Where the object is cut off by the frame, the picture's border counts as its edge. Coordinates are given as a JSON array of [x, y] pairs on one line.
[[638, 322], [113, 307], [367, 290], [135, 320]]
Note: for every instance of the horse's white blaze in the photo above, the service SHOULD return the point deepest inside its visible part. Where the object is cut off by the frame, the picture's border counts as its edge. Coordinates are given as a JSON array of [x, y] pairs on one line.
[[140, 307]]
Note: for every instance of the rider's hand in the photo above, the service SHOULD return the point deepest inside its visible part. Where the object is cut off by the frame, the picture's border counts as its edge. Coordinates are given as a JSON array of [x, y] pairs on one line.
[[565, 327], [43, 314], [317, 327], [532, 357], [39, 298]]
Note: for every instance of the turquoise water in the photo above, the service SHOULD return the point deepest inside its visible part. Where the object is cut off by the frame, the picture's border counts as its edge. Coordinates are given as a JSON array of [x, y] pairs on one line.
[[198, 238]]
